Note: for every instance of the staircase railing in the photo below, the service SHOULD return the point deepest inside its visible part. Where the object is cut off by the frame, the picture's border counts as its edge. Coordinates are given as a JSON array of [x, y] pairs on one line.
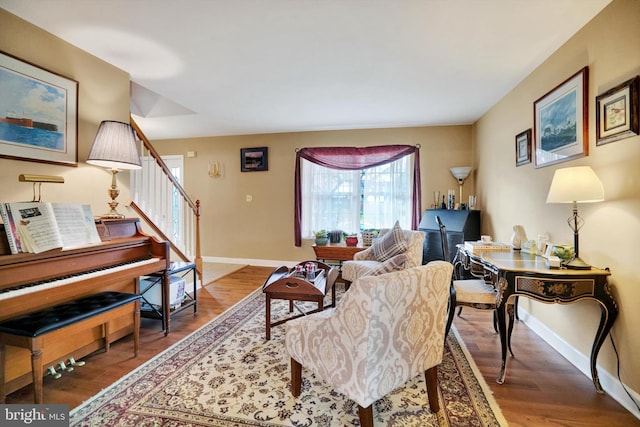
[[153, 189]]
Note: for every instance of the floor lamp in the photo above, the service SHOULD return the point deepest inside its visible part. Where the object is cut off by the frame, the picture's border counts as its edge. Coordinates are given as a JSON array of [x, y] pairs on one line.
[[461, 173], [575, 185], [114, 147]]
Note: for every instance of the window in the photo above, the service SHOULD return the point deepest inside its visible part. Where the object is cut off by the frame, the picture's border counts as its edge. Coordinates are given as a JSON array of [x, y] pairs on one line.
[[355, 200], [355, 188]]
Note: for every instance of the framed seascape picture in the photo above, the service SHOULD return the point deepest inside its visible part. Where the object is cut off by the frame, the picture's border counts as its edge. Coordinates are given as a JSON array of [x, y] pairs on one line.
[[561, 122], [523, 148], [617, 112], [253, 159], [38, 114]]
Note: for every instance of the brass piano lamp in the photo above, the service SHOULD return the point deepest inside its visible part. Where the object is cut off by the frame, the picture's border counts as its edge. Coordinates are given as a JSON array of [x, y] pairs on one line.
[[114, 147], [38, 180]]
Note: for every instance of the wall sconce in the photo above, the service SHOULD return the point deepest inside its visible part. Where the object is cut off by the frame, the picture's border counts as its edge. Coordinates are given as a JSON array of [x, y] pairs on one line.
[[38, 180], [214, 170], [114, 147]]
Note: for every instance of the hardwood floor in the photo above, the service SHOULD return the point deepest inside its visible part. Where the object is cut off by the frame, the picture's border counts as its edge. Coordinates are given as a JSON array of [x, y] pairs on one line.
[[542, 388]]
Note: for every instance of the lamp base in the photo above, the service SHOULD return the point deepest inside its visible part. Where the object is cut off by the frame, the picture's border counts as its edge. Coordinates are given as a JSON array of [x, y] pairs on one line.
[[113, 194], [577, 264]]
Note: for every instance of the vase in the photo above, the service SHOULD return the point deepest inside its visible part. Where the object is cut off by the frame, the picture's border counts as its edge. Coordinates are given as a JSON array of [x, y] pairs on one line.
[[352, 241], [518, 237], [335, 236], [322, 241]]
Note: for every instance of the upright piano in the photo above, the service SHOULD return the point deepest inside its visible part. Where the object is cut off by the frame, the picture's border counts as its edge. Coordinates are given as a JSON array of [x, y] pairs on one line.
[[30, 282]]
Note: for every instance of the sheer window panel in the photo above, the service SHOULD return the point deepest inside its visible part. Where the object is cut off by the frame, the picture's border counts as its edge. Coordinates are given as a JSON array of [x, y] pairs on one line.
[[387, 195], [330, 198], [356, 200]]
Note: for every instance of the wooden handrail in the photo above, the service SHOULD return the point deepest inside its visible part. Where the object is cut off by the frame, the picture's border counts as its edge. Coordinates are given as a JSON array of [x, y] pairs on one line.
[[194, 207], [164, 167]]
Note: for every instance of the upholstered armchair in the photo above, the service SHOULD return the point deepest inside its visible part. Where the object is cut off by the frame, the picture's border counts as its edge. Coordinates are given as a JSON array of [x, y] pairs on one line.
[[395, 249], [386, 330]]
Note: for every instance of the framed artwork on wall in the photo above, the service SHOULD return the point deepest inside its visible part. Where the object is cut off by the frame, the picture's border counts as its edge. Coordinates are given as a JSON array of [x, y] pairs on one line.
[[254, 159], [561, 122], [617, 112], [523, 148], [38, 114]]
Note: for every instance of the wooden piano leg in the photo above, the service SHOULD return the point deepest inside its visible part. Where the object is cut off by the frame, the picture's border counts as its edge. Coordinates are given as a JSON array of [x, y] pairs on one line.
[[136, 328], [36, 369], [3, 393]]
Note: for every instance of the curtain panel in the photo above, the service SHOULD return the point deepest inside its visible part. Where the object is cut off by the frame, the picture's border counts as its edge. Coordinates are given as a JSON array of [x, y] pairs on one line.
[[356, 158]]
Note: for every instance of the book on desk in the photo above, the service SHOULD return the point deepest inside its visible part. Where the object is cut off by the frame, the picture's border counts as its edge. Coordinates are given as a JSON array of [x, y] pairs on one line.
[[479, 246]]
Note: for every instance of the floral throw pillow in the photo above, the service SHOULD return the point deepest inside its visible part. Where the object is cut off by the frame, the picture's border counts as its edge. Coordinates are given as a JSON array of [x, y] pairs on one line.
[[390, 244]]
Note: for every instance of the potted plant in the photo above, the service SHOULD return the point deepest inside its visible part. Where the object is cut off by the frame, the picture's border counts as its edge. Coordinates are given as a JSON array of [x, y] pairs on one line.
[[321, 237], [352, 240]]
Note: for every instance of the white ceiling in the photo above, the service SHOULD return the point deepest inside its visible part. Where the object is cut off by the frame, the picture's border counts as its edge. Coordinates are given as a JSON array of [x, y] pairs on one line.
[[228, 67]]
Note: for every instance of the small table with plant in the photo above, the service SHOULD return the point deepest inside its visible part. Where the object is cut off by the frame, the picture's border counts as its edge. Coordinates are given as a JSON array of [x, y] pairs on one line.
[[336, 254]]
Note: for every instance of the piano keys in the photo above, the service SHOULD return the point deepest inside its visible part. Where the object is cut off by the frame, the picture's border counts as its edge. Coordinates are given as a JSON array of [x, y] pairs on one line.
[[30, 282]]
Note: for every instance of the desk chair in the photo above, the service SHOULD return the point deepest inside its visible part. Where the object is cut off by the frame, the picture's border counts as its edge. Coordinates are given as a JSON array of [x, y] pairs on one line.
[[475, 293]]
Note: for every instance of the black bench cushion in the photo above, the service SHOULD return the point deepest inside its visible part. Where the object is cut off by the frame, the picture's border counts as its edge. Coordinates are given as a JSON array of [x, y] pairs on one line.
[[59, 316]]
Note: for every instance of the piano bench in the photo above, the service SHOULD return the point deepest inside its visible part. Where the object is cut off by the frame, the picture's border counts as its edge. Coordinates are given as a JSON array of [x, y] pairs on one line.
[[28, 330]]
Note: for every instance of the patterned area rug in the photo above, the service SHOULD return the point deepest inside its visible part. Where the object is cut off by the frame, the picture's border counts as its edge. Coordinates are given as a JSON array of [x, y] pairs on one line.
[[226, 374]]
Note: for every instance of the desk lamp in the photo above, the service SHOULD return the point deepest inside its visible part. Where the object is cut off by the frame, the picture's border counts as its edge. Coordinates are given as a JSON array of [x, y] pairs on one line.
[[461, 173], [575, 185], [114, 147]]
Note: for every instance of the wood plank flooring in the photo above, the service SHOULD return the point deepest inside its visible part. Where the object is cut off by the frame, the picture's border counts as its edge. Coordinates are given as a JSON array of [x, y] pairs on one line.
[[542, 388]]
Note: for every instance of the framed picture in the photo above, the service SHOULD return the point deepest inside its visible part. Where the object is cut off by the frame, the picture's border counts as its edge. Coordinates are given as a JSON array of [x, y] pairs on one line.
[[617, 112], [523, 148], [561, 122], [38, 114], [253, 159]]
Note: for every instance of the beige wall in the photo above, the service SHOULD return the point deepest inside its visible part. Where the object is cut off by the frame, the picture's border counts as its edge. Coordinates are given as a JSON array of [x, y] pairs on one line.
[[263, 228], [103, 95], [610, 46]]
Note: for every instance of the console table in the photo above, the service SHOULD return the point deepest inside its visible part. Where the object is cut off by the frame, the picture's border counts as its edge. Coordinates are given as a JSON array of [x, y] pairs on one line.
[[522, 274], [336, 254]]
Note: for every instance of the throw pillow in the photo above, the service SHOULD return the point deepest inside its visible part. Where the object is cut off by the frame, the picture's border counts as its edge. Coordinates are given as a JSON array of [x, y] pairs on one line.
[[390, 244], [392, 264]]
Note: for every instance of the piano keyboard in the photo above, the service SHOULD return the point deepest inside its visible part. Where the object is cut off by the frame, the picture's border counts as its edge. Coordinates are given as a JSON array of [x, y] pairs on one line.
[[53, 283]]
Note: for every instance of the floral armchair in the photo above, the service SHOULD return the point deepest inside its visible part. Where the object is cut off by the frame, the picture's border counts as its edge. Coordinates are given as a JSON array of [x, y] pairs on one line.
[[395, 249], [386, 330]]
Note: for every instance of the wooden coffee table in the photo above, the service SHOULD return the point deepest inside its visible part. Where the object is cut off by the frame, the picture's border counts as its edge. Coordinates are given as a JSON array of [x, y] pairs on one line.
[[284, 284]]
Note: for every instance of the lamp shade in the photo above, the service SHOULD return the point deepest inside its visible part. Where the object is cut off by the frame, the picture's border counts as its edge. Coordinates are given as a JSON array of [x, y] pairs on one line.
[[461, 172], [577, 184], [115, 147]]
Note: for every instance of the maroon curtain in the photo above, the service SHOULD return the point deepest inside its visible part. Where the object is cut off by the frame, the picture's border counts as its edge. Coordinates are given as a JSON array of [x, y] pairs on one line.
[[356, 158]]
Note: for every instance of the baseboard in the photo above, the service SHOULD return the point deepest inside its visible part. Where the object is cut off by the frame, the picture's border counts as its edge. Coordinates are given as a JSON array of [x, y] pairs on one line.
[[248, 261], [609, 383]]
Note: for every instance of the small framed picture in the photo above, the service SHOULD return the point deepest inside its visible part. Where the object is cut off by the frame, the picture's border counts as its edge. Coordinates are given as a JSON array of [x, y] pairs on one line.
[[523, 148], [617, 112], [254, 159]]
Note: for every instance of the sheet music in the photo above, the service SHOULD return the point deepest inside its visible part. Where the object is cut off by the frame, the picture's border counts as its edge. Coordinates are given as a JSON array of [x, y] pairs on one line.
[[76, 224]]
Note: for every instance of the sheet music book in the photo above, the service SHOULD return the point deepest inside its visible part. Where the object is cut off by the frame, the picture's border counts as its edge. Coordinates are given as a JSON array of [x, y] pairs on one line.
[[38, 227]]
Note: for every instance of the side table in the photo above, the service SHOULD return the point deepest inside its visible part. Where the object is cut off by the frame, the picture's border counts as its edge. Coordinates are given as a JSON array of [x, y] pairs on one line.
[[335, 254], [180, 269], [287, 285]]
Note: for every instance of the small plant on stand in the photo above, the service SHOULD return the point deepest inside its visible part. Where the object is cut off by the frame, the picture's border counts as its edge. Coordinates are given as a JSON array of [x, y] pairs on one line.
[[321, 237]]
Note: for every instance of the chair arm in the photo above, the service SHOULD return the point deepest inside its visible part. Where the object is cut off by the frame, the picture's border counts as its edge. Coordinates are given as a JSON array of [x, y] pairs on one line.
[[364, 255]]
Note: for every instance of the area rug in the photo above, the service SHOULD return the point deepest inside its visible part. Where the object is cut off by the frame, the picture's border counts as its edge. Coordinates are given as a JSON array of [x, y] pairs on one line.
[[227, 374]]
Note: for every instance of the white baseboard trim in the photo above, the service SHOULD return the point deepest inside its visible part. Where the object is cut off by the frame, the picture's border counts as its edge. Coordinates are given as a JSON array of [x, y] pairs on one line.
[[248, 261], [609, 383]]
